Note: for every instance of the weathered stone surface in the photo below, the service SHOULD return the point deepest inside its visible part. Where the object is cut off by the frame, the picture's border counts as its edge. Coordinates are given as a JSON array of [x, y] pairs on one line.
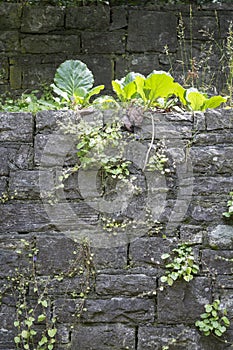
[[225, 281], [88, 18], [200, 26], [148, 32], [152, 337], [214, 138], [125, 284], [201, 209], [50, 43], [21, 157], [4, 167], [32, 75], [192, 233], [3, 185], [10, 15], [184, 301], [103, 337], [10, 130], [115, 257], [219, 120], [217, 261], [9, 41], [144, 251], [221, 237], [107, 42], [212, 185], [131, 311], [118, 18], [212, 159], [41, 19]]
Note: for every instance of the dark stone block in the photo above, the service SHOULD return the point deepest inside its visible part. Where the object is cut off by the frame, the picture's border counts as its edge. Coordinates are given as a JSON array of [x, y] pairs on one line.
[[105, 258], [216, 120], [41, 19], [218, 262], [9, 41], [202, 209], [95, 18], [118, 18], [151, 31], [175, 337], [10, 15], [21, 157], [129, 284], [130, 311], [103, 337], [104, 42], [3, 185], [184, 302], [4, 166], [51, 43], [9, 127], [212, 185]]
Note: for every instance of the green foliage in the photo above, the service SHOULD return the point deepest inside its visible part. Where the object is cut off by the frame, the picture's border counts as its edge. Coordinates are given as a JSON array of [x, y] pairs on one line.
[[214, 320], [73, 82], [229, 213], [200, 102], [181, 265]]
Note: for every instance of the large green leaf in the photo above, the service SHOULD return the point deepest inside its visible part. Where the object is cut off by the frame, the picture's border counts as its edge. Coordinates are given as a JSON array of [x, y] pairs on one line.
[[200, 102], [73, 78], [125, 88], [214, 102]]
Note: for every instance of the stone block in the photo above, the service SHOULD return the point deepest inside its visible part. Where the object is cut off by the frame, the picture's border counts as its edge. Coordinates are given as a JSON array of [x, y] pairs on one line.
[[95, 18], [157, 337], [217, 261], [4, 165], [10, 130], [10, 15], [50, 43], [104, 42], [197, 28], [107, 258], [3, 185], [130, 284], [202, 209], [141, 63], [21, 157], [103, 337], [221, 237], [33, 76], [212, 160], [151, 31], [4, 70], [118, 18], [183, 302], [15, 77], [216, 120], [224, 20], [41, 19], [211, 186], [148, 251], [114, 310], [9, 41], [224, 281], [218, 137], [192, 234]]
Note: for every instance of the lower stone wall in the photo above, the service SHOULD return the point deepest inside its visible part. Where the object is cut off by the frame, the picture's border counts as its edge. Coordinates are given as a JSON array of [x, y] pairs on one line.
[[103, 286]]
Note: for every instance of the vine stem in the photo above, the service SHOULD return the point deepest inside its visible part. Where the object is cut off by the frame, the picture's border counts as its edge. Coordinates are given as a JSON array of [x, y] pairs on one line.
[[151, 143]]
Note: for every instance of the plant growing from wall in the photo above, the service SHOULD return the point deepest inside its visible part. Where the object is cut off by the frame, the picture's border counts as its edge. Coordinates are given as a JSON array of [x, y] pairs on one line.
[[181, 265], [229, 213], [213, 320], [73, 82]]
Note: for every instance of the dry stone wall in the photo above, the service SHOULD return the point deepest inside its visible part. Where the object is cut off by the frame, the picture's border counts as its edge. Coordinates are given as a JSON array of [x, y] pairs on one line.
[[125, 309], [111, 40]]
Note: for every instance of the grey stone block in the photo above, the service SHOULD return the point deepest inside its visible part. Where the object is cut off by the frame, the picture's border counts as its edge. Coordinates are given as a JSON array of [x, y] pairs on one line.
[[213, 138], [4, 166], [151, 31], [41, 19], [107, 258], [217, 261], [50, 43], [192, 233], [21, 157], [217, 120], [177, 337], [130, 311], [130, 284], [212, 185], [9, 41], [104, 42], [10, 15], [221, 237], [183, 302], [225, 281], [95, 18], [3, 185], [103, 337], [118, 18], [10, 130]]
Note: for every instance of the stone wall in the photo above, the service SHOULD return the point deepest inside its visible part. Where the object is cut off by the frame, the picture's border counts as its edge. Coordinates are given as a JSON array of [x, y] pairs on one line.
[[111, 40], [125, 308]]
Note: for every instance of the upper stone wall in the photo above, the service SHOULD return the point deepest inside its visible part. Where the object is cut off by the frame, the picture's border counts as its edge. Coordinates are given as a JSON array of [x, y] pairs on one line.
[[111, 40]]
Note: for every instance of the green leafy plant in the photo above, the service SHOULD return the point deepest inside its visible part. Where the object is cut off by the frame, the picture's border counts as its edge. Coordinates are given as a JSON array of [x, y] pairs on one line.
[[181, 265], [73, 82], [196, 101], [229, 213], [214, 320]]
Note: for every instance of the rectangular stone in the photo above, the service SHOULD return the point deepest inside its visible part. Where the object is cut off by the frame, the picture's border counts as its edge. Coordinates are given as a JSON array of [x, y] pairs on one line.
[[50, 43], [4, 69], [210, 186], [37, 19], [130, 284], [216, 120], [32, 75], [4, 163], [201, 27], [95, 18], [104, 42], [10, 130], [112, 336], [159, 337], [151, 31], [10, 15], [184, 302], [217, 261], [118, 17], [3, 185], [9, 41]]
